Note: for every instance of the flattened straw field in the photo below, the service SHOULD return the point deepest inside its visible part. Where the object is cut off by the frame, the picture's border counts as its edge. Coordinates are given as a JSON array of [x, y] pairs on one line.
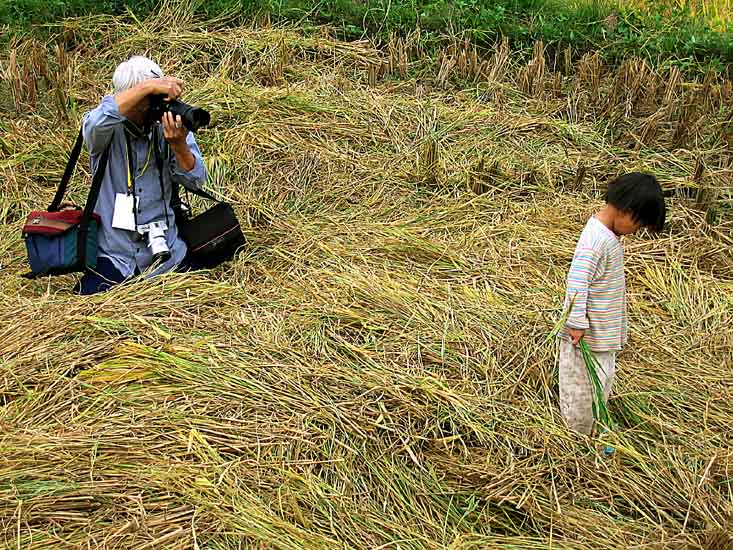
[[373, 371]]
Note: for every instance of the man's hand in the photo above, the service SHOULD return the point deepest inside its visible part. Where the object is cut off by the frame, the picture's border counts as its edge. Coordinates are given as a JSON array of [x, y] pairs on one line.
[[132, 102], [175, 133], [576, 335], [174, 130], [168, 86]]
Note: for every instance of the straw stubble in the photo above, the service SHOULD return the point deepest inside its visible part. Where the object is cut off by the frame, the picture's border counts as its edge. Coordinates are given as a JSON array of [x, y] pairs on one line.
[[372, 371]]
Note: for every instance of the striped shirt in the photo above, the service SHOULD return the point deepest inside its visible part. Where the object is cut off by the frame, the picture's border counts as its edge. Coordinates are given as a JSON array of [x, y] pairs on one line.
[[597, 289]]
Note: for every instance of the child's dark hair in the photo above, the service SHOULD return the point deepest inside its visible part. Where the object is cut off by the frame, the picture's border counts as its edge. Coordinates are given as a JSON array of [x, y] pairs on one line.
[[641, 196]]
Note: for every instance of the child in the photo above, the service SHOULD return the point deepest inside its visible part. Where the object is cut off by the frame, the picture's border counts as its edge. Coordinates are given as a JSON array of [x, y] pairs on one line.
[[597, 292]]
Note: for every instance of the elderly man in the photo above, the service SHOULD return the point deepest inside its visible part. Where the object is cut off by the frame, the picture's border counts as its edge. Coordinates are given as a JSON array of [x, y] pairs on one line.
[[135, 195]]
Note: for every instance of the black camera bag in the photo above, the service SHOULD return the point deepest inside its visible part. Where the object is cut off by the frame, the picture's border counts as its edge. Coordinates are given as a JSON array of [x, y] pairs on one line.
[[213, 237]]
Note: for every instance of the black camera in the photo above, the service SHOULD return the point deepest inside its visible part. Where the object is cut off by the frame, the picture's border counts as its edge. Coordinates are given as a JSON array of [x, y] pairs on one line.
[[193, 117]]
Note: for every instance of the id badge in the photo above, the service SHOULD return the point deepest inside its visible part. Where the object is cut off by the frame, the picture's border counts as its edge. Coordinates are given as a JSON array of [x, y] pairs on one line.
[[124, 216]]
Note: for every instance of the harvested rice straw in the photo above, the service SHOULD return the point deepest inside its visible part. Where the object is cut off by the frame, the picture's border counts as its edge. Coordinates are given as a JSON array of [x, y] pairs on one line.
[[370, 371]]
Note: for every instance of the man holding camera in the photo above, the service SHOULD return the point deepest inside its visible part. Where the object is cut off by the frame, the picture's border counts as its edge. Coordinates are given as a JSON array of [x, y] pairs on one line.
[[150, 150]]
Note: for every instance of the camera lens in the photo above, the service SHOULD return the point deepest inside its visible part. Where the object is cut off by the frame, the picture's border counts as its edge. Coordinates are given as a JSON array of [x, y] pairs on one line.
[[199, 118], [193, 117], [157, 242]]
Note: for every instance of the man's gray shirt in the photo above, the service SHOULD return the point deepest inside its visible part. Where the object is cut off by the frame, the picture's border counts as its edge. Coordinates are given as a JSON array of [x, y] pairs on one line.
[[127, 253]]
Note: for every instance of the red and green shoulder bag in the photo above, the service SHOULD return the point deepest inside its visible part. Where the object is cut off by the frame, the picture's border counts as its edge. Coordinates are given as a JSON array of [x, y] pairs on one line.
[[63, 239]]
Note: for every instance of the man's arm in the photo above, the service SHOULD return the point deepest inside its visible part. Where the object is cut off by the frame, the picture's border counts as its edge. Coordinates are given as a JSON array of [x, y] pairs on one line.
[[187, 164], [99, 125], [129, 100]]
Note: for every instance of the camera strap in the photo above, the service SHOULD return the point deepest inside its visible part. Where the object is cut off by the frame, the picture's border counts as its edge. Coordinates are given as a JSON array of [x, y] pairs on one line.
[[154, 147], [159, 166]]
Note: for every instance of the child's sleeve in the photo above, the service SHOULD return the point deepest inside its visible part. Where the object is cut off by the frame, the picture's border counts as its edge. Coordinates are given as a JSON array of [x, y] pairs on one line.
[[586, 267]]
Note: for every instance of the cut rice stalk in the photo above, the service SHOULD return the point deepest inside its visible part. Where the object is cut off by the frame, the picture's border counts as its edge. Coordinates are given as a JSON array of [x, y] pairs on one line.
[[600, 408]]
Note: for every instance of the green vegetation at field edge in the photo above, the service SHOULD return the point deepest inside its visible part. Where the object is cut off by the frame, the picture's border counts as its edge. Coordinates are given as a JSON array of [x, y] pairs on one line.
[[678, 36]]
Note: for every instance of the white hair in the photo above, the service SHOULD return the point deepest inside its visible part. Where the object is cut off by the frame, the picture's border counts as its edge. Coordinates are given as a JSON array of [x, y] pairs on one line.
[[135, 70]]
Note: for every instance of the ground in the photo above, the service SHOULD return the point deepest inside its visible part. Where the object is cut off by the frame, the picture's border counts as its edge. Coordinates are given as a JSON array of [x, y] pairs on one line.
[[373, 370]]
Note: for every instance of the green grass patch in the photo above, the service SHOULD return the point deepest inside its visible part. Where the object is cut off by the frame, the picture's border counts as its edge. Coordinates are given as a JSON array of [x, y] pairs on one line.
[[671, 34]]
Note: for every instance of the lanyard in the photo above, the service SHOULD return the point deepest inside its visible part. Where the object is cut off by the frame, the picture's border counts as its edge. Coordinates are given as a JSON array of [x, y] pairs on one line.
[[130, 168], [130, 176], [131, 171]]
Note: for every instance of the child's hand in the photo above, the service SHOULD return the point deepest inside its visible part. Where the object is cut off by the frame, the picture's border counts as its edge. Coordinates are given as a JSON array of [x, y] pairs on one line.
[[576, 335]]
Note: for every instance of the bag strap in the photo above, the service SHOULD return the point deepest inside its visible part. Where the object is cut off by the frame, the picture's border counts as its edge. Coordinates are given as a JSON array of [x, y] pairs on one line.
[[86, 216], [199, 192], [176, 197], [95, 188], [68, 172]]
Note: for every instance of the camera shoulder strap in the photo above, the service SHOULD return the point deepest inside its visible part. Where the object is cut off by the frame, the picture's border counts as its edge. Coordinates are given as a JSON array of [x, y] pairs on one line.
[[159, 165]]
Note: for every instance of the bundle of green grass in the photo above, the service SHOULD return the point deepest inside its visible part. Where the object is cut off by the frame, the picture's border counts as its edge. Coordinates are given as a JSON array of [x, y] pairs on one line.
[[373, 370]]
